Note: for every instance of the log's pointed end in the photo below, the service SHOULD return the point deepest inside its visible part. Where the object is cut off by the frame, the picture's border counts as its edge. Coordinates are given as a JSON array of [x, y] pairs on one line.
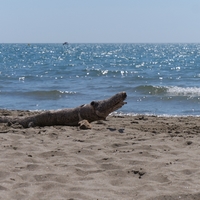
[[119, 100], [105, 107], [124, 96]]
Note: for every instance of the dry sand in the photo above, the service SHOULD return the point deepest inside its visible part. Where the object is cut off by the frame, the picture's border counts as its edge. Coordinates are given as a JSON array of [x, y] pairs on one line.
[[137, 157]]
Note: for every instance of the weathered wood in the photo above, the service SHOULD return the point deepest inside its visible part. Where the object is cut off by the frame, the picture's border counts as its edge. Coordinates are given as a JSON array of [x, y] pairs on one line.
[[96, 110]]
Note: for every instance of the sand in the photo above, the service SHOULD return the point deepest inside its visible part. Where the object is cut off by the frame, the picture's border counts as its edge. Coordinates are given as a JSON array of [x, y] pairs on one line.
[[125, 157]]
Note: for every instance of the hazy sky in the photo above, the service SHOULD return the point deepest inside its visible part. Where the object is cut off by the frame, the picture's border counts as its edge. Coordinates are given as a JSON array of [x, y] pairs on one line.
[[99, 21]]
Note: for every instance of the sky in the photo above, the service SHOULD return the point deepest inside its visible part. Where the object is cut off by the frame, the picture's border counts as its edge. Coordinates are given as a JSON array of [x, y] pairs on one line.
[[100, 21]]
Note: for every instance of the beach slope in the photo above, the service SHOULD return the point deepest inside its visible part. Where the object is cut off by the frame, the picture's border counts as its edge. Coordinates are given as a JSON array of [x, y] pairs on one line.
[[124, 157]]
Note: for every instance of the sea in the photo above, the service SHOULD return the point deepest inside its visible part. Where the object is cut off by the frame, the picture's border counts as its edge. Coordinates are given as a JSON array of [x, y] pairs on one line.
[[159, 79]]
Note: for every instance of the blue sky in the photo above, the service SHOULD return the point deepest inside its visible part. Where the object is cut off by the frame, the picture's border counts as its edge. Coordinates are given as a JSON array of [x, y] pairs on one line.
[[99, 21]]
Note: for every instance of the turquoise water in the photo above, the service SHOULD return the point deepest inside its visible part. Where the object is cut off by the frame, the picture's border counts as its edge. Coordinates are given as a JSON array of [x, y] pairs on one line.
[[160, 79]]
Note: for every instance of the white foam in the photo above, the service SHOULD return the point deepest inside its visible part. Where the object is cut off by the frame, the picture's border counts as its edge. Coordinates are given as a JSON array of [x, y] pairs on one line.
[[180, 91]]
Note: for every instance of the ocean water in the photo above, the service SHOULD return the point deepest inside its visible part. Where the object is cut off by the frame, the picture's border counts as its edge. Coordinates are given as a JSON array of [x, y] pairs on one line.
[[160, 79]]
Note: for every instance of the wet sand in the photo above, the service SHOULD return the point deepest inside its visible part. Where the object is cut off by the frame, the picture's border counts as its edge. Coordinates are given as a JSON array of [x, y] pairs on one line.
[[125, 157]]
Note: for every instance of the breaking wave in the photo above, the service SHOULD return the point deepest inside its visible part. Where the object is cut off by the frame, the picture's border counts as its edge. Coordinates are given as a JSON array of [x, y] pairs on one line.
[[168, 90]]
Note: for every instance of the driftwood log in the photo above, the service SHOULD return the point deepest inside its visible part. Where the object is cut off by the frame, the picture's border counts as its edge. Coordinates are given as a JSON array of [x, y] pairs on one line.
[[81, 115]]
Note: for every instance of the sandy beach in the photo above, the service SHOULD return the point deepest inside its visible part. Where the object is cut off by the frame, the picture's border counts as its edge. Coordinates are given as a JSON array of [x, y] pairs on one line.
[[124, 157]]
